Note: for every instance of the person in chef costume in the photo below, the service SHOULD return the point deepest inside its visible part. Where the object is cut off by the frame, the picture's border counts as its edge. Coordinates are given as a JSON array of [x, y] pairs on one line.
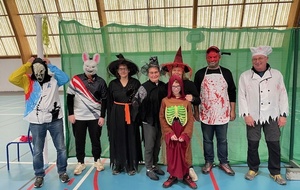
[[263, 103]]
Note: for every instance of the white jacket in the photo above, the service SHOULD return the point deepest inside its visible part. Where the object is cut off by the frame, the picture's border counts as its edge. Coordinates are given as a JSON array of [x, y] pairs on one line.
[[262, 97]]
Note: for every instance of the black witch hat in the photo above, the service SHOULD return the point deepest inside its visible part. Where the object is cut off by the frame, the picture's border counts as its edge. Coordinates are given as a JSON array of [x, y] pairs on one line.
[[153, 62], [114, 65]]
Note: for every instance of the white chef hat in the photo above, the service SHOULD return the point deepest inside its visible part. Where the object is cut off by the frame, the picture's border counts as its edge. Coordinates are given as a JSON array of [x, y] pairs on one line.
[[261, 50]]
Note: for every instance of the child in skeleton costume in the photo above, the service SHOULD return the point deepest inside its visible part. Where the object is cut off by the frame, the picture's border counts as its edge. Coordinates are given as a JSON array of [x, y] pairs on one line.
[[184, 71], [263, 103], [43, 112], [86, 99], [176, 118]]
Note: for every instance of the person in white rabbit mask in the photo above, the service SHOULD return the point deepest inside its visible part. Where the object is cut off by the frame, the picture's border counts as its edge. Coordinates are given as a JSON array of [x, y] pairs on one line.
[[263, 103], [86, 100]]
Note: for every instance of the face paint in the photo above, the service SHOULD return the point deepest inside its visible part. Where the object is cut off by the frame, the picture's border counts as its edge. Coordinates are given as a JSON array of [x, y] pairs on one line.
[[39, 71], [90, 67]]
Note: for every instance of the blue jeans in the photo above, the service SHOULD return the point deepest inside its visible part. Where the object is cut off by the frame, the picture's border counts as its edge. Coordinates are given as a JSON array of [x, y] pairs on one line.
[[39, 132], [208, 132]]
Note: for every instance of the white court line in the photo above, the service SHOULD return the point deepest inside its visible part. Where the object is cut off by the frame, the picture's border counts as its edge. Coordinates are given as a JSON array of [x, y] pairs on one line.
[[87, 173], [83, 178]]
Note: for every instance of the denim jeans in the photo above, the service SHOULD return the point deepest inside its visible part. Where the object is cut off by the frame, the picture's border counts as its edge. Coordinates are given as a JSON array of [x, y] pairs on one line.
[[208, 132], [39, 132]]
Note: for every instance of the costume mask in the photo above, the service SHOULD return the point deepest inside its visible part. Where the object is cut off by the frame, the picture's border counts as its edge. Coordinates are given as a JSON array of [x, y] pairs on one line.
[[90, 65], [39, 71]]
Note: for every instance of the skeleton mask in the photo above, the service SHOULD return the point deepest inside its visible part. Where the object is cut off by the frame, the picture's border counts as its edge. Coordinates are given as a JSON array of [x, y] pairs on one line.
[[39, 71]]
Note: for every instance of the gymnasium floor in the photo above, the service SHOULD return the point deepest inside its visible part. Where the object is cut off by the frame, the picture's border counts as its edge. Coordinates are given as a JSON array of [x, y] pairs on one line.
[[21, 176]]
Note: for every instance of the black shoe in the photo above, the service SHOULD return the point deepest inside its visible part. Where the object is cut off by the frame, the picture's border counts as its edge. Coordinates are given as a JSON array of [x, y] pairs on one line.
[[131, 173], [39, 181], [158, 171], [207, 167], [116, 172], [64, 177], [227, 169], [152, 175]]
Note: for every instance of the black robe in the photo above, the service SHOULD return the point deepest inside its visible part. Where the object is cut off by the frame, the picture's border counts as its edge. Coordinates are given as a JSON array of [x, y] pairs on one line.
[[124, 139]]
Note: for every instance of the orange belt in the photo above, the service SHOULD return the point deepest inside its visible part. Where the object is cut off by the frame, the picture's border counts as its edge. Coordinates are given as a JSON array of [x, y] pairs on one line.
[[126, 110]]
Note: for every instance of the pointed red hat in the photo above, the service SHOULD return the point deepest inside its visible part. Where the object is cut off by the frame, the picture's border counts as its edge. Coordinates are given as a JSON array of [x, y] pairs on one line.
[[178, 62]]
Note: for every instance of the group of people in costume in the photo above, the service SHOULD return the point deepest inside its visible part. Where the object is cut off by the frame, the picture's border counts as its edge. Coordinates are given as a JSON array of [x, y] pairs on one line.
[[161, 110]]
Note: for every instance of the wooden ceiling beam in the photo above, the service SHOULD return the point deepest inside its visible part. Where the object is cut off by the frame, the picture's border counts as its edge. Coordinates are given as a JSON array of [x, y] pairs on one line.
[[294, 17], [101, 12], [105, 34], [18, 29], [195, 13]]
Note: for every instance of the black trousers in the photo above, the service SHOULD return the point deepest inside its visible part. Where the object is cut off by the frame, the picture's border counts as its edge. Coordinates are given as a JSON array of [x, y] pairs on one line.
[[80, 128], [272, 135]]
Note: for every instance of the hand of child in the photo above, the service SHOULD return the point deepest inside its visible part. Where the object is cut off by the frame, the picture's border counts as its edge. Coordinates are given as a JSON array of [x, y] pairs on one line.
[[174, 138], [180, 139]]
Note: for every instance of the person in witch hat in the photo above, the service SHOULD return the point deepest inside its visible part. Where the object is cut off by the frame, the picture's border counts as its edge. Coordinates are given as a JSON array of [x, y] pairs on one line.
[[124, 135], [147, 103], [218, 96], [184, 71]]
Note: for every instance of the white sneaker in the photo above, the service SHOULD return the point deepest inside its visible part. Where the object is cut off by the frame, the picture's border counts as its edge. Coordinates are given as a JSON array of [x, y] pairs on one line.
[[193, 174], [79, 168], [98, 165]]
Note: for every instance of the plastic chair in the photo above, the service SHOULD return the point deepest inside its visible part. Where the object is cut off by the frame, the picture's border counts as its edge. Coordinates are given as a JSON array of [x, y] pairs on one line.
[[20, 140]]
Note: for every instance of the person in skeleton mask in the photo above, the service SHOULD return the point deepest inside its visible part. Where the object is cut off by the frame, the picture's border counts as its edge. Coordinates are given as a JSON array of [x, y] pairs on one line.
[[86, 99], [43, 112], [40, 71]]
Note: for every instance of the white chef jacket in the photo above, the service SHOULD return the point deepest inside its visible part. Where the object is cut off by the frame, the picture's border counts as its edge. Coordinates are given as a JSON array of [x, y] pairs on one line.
[[262, 97]]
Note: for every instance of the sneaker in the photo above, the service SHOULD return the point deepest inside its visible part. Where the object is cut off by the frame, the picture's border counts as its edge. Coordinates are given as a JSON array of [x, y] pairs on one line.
[[152, 175], [193, 174], [39, 181], [250, 175], [278, 179], [64, 177], [188, 180], [98, 165], [158, 171], [227, 169], [171, 180], [207, 167], [79, 168]]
